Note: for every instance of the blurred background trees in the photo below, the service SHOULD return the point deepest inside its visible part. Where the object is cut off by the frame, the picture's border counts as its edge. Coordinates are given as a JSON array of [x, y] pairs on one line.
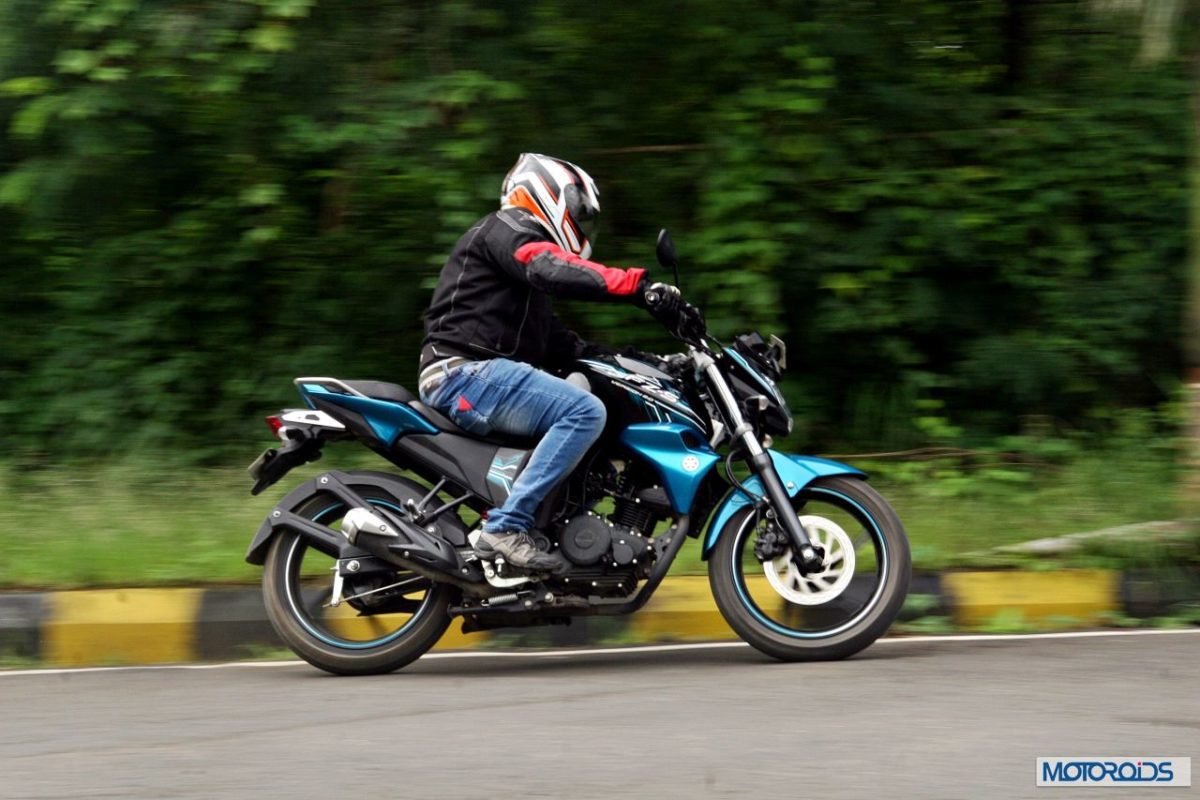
[[961, 215]]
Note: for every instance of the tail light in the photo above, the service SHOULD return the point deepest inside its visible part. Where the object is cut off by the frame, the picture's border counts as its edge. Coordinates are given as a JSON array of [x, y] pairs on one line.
[[275, 423]]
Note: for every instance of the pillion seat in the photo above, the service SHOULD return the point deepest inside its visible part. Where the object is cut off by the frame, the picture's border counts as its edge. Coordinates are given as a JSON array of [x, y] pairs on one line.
[[392, 392], [395, 393]]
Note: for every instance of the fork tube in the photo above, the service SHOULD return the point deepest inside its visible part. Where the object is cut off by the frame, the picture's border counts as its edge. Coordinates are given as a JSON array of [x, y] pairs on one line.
[[760, 463]]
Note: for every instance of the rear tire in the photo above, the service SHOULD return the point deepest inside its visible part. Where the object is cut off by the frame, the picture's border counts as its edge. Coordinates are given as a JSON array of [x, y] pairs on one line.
[[289, 614], [881, 600]]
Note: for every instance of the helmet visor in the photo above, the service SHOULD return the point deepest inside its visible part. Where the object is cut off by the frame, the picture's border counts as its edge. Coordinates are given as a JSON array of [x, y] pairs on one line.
[[586, 220], [582, 213]]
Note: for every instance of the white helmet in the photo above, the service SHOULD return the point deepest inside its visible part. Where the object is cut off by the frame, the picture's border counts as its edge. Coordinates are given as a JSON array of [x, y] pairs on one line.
[[560, 195]]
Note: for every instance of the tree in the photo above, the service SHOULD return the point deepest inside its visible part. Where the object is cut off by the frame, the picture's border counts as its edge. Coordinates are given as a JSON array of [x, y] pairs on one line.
[[956, 211], [1162, 25]]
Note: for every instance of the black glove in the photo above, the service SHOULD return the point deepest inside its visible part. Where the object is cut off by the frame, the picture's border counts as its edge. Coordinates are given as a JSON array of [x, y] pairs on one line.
[[662, 300]]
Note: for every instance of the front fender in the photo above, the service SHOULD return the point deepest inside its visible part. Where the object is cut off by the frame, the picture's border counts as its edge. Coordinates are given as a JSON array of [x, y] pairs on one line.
[[796, 472]]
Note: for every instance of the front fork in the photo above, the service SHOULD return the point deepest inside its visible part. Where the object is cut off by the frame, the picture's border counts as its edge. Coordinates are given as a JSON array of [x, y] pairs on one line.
[[810, 560]]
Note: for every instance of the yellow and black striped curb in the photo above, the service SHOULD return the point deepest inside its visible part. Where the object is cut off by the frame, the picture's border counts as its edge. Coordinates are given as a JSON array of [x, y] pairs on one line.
[[151, 626]]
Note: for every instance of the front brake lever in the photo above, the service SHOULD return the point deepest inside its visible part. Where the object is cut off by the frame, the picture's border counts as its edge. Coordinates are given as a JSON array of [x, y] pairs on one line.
[[690, 326]]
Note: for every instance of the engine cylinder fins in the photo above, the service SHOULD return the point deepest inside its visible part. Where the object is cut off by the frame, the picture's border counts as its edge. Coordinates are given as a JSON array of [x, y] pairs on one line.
[[633, 514], [586, 539]]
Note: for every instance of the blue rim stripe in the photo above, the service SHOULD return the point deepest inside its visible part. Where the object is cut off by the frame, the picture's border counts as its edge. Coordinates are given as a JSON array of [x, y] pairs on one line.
[[346, 643]]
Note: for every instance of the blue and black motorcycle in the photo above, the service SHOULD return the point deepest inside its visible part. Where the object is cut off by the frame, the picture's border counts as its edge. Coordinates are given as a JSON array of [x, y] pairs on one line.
[[363, 571]]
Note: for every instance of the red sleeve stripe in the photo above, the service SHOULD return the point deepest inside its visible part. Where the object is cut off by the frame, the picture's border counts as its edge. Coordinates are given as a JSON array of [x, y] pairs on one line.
[[618, 281]]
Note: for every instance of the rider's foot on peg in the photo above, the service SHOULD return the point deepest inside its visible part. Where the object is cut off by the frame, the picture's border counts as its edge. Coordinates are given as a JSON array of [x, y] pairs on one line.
[[518, 549]]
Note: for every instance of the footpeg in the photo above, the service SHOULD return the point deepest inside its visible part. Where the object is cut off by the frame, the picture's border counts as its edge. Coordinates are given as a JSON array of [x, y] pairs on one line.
[[361, 520], [492, 571], [496, 570]]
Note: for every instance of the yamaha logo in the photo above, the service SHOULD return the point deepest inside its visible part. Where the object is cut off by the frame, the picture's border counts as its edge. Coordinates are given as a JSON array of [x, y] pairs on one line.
[[691, 464]]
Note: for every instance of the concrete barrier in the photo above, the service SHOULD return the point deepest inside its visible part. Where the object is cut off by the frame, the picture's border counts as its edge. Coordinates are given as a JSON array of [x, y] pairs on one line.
[[153, 626]]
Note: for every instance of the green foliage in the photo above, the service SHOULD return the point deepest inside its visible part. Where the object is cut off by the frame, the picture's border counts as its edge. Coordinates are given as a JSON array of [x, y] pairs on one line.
[[926, 626], [1187, 613], [1173, 622], [1117, 619], [918, 605], [955, 221], [1008, 620]]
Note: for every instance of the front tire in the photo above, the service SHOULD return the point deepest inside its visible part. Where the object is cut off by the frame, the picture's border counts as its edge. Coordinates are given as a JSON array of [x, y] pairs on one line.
[[292, 594], [816, 618]]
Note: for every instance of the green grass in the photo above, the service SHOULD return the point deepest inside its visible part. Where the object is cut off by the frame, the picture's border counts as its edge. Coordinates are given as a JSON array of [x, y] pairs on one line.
[[151, 523], [954, 511], [126, 526], [950, 513]]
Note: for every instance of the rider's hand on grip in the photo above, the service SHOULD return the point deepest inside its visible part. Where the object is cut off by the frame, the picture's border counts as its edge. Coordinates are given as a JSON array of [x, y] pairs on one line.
[[661, 299]]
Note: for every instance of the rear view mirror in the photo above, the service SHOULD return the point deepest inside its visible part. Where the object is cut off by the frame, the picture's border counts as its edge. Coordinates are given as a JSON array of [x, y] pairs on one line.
[[666, 250], [666, 253]]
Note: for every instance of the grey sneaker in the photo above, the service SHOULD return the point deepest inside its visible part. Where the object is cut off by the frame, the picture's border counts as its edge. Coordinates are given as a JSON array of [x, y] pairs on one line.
[[519, 549]]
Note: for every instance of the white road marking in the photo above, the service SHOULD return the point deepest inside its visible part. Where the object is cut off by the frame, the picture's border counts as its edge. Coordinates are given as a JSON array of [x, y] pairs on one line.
[[1000, 637], [595, 651]]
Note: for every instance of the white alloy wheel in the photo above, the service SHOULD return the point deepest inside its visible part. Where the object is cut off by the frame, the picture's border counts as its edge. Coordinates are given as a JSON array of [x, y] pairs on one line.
[[815, 588]]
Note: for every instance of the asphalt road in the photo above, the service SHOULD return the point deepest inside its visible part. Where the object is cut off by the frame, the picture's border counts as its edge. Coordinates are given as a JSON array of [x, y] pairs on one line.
[[904, 719]]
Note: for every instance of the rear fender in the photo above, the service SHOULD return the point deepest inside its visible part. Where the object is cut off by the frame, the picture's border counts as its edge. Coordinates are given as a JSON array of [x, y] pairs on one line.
[[796, 472], [329, 541]]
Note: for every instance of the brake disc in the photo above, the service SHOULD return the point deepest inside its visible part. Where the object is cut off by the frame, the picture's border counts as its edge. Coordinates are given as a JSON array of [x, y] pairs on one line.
[[815, 588]]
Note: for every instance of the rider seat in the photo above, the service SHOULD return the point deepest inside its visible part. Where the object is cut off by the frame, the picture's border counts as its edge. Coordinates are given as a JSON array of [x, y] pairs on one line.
[[445, 424], [395, 393]]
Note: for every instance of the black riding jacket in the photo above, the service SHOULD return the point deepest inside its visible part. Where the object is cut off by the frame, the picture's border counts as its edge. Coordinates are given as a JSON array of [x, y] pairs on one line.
[[493, 297]]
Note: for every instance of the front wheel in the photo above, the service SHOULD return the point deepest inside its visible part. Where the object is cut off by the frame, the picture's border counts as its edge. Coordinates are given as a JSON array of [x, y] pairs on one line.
[[820, 616]]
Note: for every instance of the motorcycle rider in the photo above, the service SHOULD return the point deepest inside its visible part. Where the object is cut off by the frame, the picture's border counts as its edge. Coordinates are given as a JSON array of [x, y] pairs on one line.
[[490, 336]]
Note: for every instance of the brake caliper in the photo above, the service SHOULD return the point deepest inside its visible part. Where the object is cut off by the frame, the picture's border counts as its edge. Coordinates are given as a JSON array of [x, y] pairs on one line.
[[771, 543]]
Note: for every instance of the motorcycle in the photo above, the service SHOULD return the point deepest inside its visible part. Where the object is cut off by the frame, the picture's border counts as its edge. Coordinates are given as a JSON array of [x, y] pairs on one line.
[[363, 571]]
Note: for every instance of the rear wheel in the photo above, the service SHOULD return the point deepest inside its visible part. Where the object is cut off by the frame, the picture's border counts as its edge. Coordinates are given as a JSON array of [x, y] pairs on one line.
[[386, 620], [832, 614]]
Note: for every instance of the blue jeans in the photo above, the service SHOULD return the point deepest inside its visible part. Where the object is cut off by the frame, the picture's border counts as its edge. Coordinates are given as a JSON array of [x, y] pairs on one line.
[[517, 399]]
